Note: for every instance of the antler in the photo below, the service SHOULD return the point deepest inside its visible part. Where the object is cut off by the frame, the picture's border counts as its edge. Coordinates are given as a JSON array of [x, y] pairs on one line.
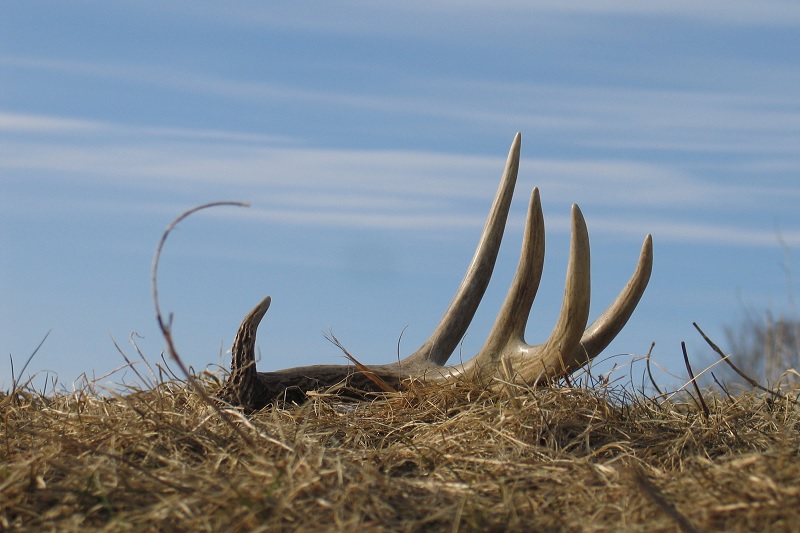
[[570, 345]]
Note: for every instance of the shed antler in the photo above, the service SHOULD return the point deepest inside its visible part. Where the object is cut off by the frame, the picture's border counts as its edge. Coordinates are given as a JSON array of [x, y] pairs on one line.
[[570, 346]]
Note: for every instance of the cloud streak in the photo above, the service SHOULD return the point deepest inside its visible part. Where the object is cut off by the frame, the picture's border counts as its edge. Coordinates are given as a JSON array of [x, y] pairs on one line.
[[691, 121], [375, 188], [484, 17]]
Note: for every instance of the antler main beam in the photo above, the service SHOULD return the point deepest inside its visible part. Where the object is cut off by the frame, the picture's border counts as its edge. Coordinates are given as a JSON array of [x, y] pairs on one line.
[[570, 346]]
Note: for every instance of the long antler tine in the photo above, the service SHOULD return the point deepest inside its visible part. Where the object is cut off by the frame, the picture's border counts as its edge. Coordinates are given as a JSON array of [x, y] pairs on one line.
[[556, 353], [455, 321], [610, 323], [513, 316]]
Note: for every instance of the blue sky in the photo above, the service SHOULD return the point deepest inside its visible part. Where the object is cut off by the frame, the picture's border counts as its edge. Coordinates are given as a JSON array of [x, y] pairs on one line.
[[369, 139]]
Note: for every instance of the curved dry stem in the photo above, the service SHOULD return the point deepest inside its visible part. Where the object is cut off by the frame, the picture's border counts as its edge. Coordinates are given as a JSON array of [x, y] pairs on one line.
[[160, 247], [163, 326], [166, 329]]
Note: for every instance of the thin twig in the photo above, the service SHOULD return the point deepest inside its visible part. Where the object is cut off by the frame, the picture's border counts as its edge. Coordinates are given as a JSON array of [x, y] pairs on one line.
[[364, 369], [399, 340], [130, 363], [25, 366], [748, 379], [157, 256], [652, 492], [166, 329], [649, 372], [723, 388], [706, 412], [141, 355]]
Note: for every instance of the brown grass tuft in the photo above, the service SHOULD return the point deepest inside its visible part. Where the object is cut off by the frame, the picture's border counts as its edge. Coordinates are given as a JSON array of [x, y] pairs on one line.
[[432, 458]]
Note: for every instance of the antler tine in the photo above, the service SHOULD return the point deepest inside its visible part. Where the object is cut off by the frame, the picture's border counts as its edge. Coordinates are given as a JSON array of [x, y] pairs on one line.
[[509, 327], [242, 385], [554, 356], [506, 339], [455, 321], [610, 323]]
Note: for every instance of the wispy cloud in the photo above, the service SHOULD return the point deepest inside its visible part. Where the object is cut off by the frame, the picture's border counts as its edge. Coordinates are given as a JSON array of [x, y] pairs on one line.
[[481, 16], [225, 157], [374, 188], [698, 232], [24, 123], [690, 121]]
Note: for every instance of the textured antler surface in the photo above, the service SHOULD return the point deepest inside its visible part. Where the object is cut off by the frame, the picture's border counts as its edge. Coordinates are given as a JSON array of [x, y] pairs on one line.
[[569, 346]]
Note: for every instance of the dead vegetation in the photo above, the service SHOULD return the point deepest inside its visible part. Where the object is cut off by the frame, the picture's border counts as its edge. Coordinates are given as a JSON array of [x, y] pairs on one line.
[[445, 458]]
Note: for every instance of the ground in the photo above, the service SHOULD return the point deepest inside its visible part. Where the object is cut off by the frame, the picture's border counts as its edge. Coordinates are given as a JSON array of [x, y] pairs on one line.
[[455, 458]]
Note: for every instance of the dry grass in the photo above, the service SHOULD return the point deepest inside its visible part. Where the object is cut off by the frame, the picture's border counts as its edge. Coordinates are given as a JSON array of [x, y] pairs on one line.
[[446, 459]]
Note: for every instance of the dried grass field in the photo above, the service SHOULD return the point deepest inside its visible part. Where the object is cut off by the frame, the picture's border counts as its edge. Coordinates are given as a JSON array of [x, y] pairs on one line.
[[432, 458]]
